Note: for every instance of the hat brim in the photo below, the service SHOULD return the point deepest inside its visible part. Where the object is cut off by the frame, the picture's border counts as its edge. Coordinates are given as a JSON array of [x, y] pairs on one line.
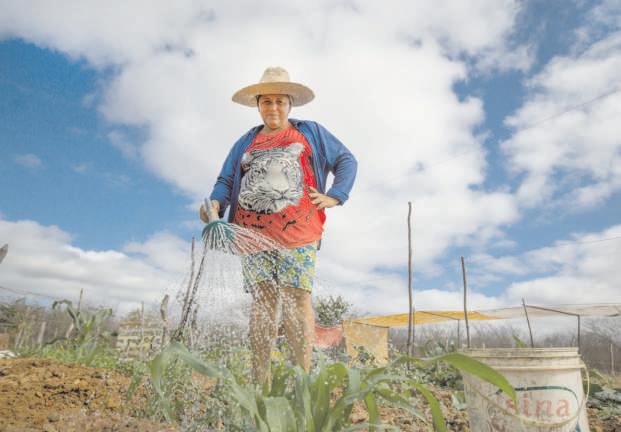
[[300, 94]]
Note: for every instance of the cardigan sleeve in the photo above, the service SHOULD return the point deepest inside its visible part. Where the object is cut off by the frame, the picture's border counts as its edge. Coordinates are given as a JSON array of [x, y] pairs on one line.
[[223, 188], [340, 162]]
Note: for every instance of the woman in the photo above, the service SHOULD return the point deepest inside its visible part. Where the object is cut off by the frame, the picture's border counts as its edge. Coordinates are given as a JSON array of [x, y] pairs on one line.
[[274, 180]]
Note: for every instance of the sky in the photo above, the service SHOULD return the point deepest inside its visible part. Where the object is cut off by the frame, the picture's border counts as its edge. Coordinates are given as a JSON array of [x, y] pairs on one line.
[[497, 120]]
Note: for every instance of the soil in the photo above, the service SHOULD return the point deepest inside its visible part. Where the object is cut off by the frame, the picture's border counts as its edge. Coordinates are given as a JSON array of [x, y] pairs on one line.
[[598, 424], [44, 395], [456, 420]]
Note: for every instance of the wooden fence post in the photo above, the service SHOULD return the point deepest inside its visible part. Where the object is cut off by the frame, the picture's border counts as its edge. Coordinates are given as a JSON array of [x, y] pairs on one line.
[[80, 300], [463, 272], [164, 314], [411, 317], [612, 360], [69, 330], [141, 343], [41, 333], [579, 332], [18, 337], [187, 300], [530, 331]]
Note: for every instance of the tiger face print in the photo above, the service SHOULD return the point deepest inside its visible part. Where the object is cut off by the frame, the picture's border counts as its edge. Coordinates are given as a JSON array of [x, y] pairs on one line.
[[272, 179]]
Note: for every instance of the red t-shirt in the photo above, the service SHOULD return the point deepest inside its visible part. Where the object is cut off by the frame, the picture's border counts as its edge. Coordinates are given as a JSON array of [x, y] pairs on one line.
[[274, 196]]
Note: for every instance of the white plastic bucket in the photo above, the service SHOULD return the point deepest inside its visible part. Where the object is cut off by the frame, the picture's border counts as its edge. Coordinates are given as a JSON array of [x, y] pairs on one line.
[[548, 384]]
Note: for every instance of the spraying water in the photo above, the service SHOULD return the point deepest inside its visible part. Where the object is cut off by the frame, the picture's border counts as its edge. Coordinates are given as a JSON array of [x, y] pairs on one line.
[[234, 301], [239, 292]]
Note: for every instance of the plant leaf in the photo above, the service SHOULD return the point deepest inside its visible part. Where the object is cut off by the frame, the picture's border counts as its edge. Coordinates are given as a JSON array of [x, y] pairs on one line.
[[303, 401], [157, 367], [518, 342], [353, 386], [281, 375], [373, 410], [320, 389], [279, 415], [398, 400], [196, 363], [439, 425], [480, 370]]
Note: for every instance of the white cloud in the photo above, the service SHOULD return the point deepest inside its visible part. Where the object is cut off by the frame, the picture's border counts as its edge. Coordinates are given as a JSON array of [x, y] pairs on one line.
[[81, 168], [29, 161], [122, 144], [117, 180], [503, 59], [601, 19], [573, 157], [384, 75], [101, 32], [384, 84], [162, 250], [76, 131], [581, 269], [43, 260]]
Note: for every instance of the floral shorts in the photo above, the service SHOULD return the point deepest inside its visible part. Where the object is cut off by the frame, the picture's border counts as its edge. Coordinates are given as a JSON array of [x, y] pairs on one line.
[[294, 268]]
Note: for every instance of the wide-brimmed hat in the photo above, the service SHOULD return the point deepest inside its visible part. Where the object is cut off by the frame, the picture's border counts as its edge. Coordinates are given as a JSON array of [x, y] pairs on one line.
[[275, 80]]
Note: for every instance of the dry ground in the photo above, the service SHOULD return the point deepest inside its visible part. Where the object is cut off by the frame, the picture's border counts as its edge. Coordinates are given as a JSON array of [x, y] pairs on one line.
[[44, 395]]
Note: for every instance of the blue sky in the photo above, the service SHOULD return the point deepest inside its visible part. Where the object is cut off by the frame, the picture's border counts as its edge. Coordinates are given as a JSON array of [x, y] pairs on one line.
[[113, 130], [83, 183]]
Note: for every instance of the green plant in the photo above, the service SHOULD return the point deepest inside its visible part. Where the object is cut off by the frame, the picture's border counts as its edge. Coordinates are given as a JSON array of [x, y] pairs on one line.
[[603, 396], [438, 374], [519, 343], [329, 311], [364, 357], [197, 402], [66, 353], [89, 341], [322, 400]]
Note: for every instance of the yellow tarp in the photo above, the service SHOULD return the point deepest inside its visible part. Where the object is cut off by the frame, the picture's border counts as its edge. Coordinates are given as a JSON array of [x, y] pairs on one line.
[[423, 317], [373, 338], [372, 333]]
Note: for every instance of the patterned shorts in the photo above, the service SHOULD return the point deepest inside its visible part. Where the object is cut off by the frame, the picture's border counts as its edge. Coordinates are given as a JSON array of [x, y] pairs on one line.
[[294, 268]]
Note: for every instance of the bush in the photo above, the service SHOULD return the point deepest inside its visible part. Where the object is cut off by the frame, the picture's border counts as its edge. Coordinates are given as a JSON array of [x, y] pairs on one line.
[[329, 311]]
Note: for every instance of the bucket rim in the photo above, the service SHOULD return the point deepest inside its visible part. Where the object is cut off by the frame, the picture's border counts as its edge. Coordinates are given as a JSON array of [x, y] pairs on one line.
[[521, 352]]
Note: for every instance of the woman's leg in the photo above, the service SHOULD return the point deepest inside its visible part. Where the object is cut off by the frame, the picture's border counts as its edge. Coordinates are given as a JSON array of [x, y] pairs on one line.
[[263, 329], [299, 322]]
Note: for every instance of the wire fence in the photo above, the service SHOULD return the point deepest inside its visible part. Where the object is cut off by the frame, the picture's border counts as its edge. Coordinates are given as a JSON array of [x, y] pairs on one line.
[[33, 325]]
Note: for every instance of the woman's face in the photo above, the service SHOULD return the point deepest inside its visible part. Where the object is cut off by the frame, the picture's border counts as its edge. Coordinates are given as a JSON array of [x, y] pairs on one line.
[[274, 109]]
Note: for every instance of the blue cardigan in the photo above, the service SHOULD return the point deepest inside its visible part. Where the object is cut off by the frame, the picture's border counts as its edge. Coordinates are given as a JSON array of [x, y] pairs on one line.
[[329, 155]]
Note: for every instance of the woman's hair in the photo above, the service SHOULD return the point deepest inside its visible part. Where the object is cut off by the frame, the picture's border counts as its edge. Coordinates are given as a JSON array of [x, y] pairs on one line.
[[289, 96]]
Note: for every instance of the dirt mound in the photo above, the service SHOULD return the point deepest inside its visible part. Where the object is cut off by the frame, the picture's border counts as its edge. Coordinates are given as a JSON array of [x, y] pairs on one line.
[[43, 395]]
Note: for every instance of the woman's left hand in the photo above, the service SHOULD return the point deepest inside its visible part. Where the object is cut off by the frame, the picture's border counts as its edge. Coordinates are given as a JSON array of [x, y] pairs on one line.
[[320, 200]]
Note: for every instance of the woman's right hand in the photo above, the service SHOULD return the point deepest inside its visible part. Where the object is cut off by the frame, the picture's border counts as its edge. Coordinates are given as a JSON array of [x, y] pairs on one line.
[[203, 213]]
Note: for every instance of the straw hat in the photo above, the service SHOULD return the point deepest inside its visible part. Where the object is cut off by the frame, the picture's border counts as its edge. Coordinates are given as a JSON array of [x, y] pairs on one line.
[[275, 80]]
